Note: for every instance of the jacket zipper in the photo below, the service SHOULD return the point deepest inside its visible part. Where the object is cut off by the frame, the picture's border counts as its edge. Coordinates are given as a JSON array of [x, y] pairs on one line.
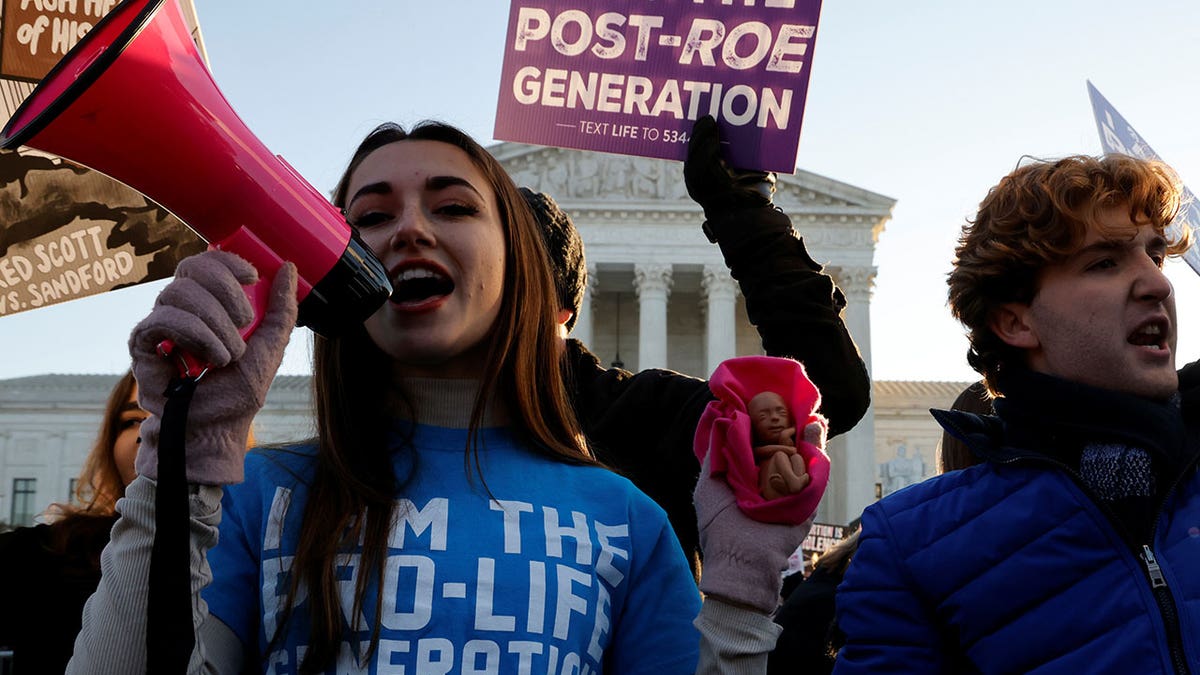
[[1157, 580], [1158, 583], [1162, 594], [1166, 606]]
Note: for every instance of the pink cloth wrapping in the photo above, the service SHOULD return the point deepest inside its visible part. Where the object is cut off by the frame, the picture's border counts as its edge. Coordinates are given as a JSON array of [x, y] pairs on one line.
[[724, 432]]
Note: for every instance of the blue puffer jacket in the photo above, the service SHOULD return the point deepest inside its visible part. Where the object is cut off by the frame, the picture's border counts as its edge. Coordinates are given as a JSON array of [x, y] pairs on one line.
[[1010, 567]]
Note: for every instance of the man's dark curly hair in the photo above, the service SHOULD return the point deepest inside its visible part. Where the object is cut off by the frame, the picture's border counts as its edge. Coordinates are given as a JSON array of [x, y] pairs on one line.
[[565, 248]]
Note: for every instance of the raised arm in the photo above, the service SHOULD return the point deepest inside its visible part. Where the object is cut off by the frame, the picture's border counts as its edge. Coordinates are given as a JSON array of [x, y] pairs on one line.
[[201, 311], [795, 306], [113, 637], [743, 564]]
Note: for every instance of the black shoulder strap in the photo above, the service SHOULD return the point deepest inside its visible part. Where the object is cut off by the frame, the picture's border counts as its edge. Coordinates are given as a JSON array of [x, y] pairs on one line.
[[170, 637]]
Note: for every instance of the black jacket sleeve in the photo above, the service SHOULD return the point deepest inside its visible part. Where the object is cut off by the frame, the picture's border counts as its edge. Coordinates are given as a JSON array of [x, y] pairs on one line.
[[795, 307]]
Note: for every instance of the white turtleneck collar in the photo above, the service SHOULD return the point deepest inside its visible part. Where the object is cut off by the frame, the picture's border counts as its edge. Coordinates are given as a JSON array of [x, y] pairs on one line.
[[444, 402]]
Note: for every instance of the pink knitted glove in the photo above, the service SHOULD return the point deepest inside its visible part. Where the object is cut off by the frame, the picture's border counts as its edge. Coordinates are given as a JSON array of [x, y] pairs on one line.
[[743, 558], [201, 310]]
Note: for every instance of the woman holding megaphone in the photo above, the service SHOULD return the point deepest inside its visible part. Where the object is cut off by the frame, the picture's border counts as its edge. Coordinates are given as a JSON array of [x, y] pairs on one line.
[[448, 515]]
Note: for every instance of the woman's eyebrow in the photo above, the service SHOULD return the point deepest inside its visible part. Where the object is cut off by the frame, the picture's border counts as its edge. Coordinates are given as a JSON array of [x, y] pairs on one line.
[[379, 188], [443, 182]]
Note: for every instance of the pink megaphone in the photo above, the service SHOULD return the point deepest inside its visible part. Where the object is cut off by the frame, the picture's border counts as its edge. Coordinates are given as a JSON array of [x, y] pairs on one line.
[[133, 100]]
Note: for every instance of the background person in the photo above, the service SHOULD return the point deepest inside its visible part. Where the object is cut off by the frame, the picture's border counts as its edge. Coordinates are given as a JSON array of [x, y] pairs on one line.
[[48, 571], [952, 453]]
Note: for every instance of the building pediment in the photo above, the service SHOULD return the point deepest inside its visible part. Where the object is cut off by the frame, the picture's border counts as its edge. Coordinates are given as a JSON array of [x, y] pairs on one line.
[[641, 201], [580, 177]]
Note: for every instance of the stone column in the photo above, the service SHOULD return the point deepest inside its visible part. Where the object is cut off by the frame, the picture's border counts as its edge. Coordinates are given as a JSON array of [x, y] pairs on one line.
[[720, 293], [852, 481], [653, 285], [5, 474], [57, 474], [583, 323]]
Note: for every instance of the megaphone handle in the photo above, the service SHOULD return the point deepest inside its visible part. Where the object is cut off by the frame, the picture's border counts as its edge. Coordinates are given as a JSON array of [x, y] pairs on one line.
[[193, 368]]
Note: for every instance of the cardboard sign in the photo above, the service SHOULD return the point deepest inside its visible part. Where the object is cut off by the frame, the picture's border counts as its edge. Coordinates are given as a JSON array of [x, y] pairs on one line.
[[1117, 135], [65, 231], [632, 77], [68, 232], [822, 537], [37, 33]]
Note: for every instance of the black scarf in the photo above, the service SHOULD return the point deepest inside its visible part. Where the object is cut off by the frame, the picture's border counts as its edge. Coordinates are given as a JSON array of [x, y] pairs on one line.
[[1124, 449]]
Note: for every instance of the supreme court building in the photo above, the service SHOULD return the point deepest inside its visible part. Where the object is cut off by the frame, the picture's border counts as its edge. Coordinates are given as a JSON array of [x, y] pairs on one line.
[[659, 296]]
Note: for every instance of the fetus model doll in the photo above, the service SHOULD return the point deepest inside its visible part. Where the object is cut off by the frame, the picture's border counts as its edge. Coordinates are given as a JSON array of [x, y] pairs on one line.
[[781, 470], [765, 436]]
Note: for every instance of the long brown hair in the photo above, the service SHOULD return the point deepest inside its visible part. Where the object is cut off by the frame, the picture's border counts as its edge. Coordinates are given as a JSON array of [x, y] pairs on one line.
[[80, 528], [99, 485], [354, 487], [952, 453]]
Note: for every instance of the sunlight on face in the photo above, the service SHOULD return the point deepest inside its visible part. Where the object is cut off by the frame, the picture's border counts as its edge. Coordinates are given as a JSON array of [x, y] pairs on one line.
[[1106, 317], [125, 446], [431, 217]]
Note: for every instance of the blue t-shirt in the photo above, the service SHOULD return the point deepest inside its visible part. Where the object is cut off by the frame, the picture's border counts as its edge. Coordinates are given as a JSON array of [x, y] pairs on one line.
[[569, 569]]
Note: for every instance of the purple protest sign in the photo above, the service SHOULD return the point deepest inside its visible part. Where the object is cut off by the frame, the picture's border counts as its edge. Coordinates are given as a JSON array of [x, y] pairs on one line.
[[633, 82]]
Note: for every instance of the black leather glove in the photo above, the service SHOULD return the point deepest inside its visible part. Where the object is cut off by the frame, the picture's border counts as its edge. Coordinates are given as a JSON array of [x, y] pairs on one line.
[[715, 186]]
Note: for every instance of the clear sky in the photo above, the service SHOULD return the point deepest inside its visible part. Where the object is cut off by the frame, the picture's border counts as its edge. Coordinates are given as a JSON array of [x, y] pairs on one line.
[[927, 102]]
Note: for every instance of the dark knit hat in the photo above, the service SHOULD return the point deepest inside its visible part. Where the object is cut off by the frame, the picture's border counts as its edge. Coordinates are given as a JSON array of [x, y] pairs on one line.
[[565, 248]]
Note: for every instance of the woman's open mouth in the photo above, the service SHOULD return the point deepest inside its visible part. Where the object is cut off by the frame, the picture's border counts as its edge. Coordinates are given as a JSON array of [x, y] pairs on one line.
[[419, 286]]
